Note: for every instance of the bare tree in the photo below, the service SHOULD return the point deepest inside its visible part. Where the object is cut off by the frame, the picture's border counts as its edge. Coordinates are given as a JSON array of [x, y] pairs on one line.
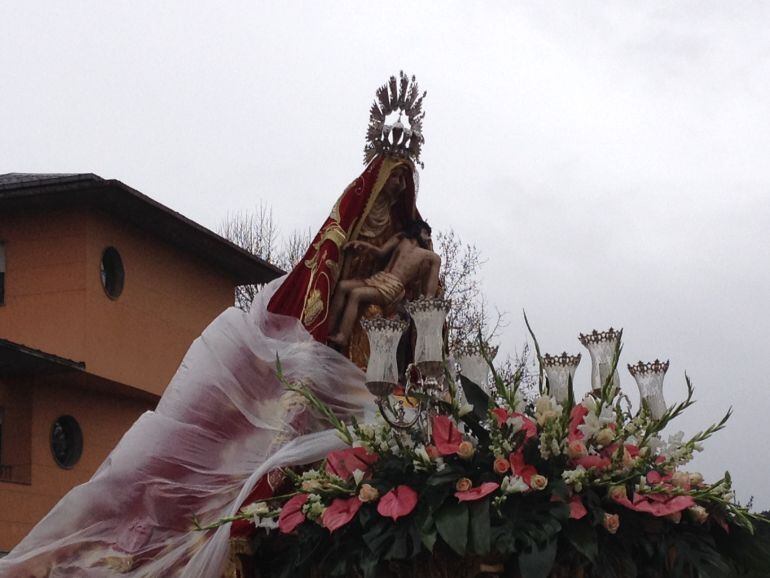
[[257, 233], [470, 317]]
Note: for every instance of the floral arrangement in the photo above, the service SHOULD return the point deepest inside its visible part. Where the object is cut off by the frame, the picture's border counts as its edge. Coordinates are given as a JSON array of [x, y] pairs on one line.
[[529, 487]]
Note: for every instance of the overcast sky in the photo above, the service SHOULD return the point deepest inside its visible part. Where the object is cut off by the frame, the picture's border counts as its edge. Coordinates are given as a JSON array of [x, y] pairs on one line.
[[609, 159]]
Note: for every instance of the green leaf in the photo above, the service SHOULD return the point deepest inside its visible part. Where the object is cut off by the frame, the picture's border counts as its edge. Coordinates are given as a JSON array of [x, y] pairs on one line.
[[452, 525], [537, 562], [583, 537], [426, 525], [476, 396], [480, 527], [447, 475]]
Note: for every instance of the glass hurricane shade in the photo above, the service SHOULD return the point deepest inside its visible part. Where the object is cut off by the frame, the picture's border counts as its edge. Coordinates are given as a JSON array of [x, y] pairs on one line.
[[429, 316], [472, 363], [601, 346], [649, 378], [560, 369], [382, 369]]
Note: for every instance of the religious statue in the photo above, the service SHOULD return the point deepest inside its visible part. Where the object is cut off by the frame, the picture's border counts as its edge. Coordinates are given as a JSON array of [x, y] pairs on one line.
[[373, 208], [411, 259]]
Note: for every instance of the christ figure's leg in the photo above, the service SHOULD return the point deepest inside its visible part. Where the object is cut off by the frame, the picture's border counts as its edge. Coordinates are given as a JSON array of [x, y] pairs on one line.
[[341, 293], [358, 296]]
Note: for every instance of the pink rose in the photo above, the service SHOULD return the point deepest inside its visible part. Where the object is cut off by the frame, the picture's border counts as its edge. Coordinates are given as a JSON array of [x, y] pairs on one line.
[[368, 493], [618, 493], [463, 485], [611, 523], [576, 449], [501, 465], [466, 450], [538, 482]]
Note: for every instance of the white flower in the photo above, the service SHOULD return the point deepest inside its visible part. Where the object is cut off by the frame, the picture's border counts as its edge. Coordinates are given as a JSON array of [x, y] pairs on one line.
[[255, 509], [358, 475], [465, 409], [575, 477], [515, 423], [593, 422], [513, 485], [267, 523]]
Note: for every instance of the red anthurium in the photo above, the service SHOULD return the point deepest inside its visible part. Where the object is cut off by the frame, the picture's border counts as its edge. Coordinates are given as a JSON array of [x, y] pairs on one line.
[[477, 493], [398, 502], [576, 508], [502, 416], [591, 461], [520, 468], [446, 436], [291, 514], [609, 451], [527, 425], [658, 505], [576, 418], [340, 512], [344, 462]]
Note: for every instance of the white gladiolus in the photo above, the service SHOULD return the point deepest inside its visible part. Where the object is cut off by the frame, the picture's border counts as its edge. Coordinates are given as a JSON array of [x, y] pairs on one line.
[[513, 485]]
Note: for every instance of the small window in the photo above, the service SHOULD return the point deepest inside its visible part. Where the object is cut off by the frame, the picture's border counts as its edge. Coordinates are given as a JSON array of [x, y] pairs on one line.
[[112, 273], [66, 441], [2, 273]]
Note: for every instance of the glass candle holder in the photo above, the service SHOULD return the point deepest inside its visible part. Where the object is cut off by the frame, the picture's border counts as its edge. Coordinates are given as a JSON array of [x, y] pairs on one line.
[[649, 378], [601, 346], [472, 363], [429, 316], [382, 369], [560, 369]]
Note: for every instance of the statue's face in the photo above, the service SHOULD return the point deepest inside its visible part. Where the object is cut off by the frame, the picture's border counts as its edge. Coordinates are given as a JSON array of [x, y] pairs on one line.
[[396, 183]]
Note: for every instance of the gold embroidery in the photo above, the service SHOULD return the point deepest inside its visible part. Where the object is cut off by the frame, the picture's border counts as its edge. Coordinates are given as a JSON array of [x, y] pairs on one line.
[[313, 307]]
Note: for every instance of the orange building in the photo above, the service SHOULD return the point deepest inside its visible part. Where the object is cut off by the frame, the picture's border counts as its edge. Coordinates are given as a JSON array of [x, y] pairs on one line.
[[102, 290]]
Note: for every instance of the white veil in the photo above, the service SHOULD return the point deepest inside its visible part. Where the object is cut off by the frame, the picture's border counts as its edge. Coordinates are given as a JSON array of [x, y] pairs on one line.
[[211, 439]]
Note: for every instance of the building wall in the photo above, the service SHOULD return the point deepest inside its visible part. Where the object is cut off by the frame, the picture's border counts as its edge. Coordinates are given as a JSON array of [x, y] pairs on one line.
[[45, 282], [55, 301], [103, 417]]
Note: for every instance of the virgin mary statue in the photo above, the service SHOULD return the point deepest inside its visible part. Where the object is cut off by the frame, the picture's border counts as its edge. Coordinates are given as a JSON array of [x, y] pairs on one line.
[[226, 423]]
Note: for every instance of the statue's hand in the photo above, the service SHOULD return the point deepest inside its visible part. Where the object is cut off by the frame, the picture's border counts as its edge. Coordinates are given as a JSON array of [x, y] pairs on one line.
[[354, 246]]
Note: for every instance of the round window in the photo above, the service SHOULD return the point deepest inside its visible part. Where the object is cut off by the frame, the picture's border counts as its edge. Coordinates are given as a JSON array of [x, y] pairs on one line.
[[112, 272], [66, 441]]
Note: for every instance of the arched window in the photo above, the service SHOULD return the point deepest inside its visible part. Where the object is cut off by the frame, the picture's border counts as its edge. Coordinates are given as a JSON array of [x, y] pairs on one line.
[[112, 272], [66, 441]]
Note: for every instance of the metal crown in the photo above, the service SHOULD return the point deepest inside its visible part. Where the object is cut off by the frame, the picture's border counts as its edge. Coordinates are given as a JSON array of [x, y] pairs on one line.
[[400, 95]]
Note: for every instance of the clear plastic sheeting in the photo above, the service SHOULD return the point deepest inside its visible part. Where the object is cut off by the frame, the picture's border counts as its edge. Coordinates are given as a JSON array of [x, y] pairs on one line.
[[223, 423]]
